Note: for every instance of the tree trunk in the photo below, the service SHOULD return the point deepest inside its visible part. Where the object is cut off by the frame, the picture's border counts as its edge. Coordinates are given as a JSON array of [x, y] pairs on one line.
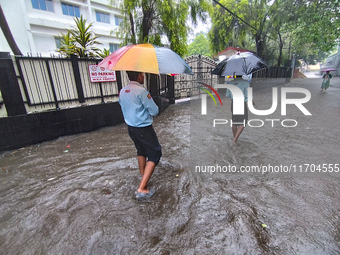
[[147, 23], [259, 45], [132, 24], [280, 49], [8, 35]]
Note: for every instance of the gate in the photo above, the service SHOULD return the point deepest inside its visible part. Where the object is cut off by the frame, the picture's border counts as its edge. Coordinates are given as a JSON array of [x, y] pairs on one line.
[[186, 85]]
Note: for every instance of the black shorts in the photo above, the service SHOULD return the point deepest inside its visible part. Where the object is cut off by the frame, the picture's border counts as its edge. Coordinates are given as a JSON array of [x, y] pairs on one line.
[[146, 142], [240, 119]]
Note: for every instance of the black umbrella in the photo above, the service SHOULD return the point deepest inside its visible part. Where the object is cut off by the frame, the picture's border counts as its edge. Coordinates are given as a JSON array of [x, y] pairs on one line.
[[240, 64]]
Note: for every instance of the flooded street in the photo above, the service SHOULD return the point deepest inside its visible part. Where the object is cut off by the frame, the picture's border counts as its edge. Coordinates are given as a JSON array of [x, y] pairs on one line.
[[75, 195]]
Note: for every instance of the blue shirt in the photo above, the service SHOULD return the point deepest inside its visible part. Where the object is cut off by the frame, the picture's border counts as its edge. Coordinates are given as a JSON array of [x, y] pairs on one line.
[[241, 84], [137, 105]]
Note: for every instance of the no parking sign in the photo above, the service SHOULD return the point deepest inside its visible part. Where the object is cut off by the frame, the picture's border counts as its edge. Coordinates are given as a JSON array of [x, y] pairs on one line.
[[100, 74]]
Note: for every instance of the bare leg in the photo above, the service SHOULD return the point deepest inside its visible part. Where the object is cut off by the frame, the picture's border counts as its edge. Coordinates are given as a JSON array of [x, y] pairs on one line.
[[141, 164], [234, 128], [238, 133], [150, 166]]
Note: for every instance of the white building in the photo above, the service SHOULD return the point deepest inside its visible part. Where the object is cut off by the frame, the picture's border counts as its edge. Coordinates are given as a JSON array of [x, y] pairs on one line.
[[36, 25]]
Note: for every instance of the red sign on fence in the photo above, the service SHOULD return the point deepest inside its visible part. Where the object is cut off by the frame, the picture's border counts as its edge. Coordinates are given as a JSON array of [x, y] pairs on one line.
[[100, 74]]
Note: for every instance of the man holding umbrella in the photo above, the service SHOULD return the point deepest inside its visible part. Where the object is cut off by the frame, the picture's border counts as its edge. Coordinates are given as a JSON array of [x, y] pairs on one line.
[[240, 66], [239, 121], [137, 104], [138, 109]]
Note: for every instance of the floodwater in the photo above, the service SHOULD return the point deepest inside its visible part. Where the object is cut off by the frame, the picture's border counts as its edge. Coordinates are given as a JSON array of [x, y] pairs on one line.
[[75, 195]]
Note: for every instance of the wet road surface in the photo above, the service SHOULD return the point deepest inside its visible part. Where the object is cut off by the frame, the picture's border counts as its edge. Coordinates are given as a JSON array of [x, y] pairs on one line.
[[75, 195]]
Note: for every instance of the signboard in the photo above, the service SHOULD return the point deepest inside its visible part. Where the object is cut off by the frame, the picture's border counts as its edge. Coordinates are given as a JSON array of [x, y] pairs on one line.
[[100, 74]]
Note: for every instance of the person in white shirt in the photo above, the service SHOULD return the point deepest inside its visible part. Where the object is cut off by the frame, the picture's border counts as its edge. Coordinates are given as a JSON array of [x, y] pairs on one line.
[[239, 121], [138, 110]]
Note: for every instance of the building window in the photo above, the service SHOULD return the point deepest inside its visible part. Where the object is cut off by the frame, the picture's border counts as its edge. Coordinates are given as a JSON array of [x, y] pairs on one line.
[[70, 10], [113, 47], [118, 20], [103, 17], [45, 5], [58, 42]]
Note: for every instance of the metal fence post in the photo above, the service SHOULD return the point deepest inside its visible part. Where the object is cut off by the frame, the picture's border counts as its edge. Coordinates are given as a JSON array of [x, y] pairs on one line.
[[170, 81], [9, 87], [119, 80], [153, 86], [76, 73]]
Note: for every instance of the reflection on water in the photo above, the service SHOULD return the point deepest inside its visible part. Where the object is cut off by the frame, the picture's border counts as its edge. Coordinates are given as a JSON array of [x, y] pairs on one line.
[[75, 195]]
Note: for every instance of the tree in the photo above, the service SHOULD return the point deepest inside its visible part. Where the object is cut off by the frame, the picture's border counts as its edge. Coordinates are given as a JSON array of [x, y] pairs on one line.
[[84, 39], [276, 27], [104, 53], [304, 23], [146, 21], [67, 46], [318, 23], [200, 46], [235, 20], [282, 16], [8, 35], [79, 40]]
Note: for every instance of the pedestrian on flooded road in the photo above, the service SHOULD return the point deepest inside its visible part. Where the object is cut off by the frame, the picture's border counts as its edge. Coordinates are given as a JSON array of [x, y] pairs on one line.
[[239, 121], [138, 110], [326, 81]]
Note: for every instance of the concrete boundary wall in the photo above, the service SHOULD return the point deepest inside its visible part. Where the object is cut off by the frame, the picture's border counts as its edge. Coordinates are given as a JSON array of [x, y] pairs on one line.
[[28, 129], [22, 130]]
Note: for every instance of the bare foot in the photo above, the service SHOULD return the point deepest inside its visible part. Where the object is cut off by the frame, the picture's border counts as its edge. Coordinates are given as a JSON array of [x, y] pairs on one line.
[[143, 190], [144, 193]]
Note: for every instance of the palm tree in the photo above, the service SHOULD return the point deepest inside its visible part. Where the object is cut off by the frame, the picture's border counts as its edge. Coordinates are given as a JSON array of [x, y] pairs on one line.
[[104, 53], [79, 40], [67, 46], [84, 39]]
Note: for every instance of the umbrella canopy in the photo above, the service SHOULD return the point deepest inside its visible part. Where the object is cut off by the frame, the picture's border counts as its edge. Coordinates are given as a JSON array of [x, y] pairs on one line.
[[328, 69], [240, 64], [146, 58]]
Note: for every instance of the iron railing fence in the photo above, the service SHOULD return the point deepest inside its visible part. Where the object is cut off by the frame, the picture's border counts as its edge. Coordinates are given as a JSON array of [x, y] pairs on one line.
[[98, 90], [187, 86], [157, 85], [52, 82], [274, 72]]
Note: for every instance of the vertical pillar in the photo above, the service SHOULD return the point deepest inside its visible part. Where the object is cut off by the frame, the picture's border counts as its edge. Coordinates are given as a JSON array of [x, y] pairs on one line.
[[76, 73], [119, 80], [170, 81], [221, 79], [154, 81], [9, 87]]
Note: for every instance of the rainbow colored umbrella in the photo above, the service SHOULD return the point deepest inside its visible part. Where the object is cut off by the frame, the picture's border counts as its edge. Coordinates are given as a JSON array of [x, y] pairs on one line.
[[146, 58]]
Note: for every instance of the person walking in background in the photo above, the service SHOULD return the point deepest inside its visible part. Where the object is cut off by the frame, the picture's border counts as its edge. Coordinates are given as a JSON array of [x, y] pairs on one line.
[[326, 81], [239, 121], [138, 110]]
